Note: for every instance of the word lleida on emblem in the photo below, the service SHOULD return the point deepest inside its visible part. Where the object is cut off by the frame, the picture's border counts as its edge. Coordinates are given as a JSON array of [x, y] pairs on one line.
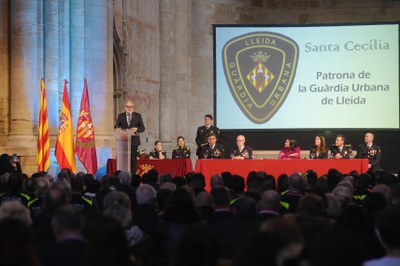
[[260, 68]]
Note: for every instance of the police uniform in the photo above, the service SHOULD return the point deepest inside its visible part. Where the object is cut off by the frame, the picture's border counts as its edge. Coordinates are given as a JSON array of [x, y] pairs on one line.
[[345, 152], [202, 134], [155, 154], [180, 152], [372, 153], [246, 152], [212, 153]]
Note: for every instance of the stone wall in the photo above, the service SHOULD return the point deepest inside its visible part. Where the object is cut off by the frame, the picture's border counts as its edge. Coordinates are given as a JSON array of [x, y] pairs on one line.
[[138, 29]]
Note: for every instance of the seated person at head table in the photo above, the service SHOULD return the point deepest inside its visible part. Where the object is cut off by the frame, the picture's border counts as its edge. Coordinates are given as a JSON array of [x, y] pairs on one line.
[[290, 151], [241, 151], [370, 151], [319, 150], [180, 151], [340, 150], [158, 152], [212, 150]]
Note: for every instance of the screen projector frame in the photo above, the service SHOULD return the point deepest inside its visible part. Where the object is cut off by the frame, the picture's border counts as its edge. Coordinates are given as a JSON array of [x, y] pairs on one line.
[[264, 27]]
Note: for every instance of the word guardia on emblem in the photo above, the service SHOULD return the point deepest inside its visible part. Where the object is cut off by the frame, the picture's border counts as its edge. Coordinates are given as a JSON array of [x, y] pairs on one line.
[[260, 68]]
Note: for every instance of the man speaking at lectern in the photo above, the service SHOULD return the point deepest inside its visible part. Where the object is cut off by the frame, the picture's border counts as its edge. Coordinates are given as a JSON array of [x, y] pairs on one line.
[[133, 121]]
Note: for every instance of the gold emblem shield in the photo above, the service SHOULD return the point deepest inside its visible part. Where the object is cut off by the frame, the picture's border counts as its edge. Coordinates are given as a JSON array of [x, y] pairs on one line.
[[260, 68]]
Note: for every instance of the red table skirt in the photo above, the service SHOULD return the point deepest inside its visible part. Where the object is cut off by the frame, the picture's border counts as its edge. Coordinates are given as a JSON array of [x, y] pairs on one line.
[[210, 167], [176, 167]]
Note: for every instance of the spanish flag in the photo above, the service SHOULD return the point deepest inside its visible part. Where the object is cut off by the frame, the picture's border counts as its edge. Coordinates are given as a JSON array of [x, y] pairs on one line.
[[85, 147], [65, 140], [43, 141]]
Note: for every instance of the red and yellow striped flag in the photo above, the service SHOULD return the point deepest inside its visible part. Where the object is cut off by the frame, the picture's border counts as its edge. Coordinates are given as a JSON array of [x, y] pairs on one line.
[[65, 154], [43, 141]]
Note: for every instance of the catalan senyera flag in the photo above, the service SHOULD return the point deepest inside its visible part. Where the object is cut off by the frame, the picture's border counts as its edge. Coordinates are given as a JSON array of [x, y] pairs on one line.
[[65, 154], [85, 147], [43, 141]]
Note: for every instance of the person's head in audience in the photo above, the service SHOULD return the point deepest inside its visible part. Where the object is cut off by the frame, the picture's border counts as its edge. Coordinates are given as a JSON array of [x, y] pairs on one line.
[[221, 196], [296, 182], [269, 182], [204, 199], [343, 195], [196, 247], [333, 206], [161, 199], [106, 241], [152, 176], [42, 185], [286, 229], [388, 230], [15, 182], [384, 190], [396, 195], [113, 182], [125, 177], [332, 180], [363, 181], [17, 244], [245, 207], [255, 184], [100, 195], [136, 180], [145, 195], [104, 181], [165, 178], [65, 173], [67, 224], [77, 185], [15, 210], [311, 178], [168, 186], [311, 205], [54, 198], [118, 206], [216, 180], [270, 200], [198, 182], [180, 208], [238, 184], [179, 181], [346, 184], [127, 190], [92, 186], [282, 183], [29, 186], [374, 203]]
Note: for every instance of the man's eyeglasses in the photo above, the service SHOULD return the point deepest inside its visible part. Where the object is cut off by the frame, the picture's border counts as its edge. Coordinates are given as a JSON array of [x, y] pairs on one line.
[[129, 106]]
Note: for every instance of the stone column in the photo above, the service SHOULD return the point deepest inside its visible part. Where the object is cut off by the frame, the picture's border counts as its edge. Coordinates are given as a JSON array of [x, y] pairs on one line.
[[4, 70], [175, 87], [52, 53], [26, 68]]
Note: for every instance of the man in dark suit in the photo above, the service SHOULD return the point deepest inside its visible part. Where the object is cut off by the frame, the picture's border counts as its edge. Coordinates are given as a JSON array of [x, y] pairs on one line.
[[241, 151], [204, 131], [340, 150], [132, 121], [370, 151], [212, 150]]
